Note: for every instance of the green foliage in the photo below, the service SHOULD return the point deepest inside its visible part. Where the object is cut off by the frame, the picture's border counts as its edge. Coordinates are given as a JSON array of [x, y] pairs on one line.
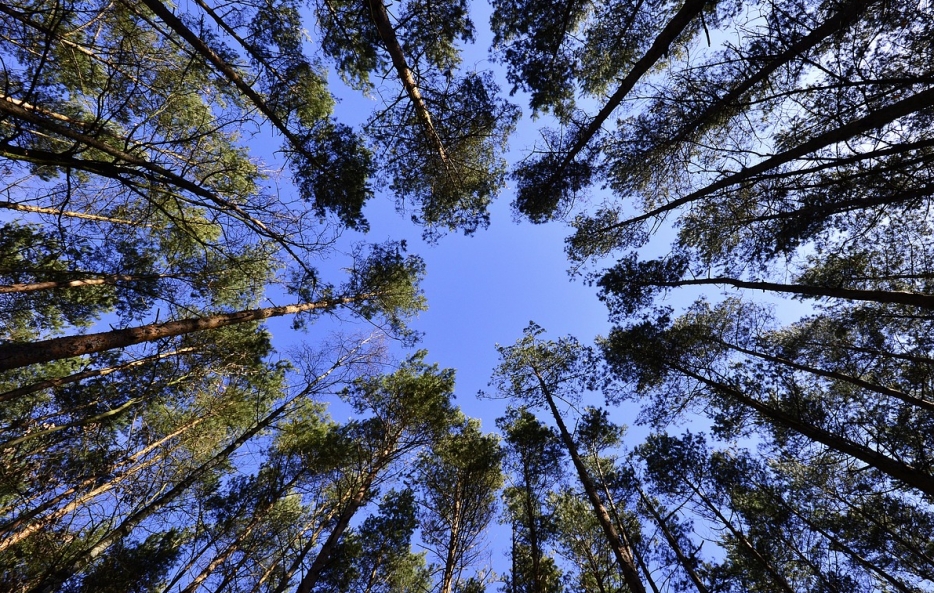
[[472, 124], [132, 567], [459, 480], [377, 558]]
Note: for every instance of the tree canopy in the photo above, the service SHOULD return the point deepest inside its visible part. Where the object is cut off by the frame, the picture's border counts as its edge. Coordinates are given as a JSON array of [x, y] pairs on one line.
[[746, 186]]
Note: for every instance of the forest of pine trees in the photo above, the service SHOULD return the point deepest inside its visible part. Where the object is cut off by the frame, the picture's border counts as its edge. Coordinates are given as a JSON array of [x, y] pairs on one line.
[[745, 184]]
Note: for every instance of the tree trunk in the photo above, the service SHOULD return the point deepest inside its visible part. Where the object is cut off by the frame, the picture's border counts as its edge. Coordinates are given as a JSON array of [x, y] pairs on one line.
[[660, 47], [842, 18], [891, 467], [108, 280], [447, 579], [683, 560], [118, 478], [323, 558], [894, 297], [14, 356], [387, 34], [746, 544], [50, 383], [867, 123], [622, 552], [65, 213], [88, 555], [836, 543], [899, 395]]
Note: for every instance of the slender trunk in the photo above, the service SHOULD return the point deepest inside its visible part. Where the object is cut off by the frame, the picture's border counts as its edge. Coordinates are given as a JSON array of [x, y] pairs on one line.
[[622, 529], [118, 478], [787, 542], [197, 43], [836, 543], [871, 517], [902, 472], [108, 280], [683, 560], [842, 18], [14, 356], [867, 123], [447, 579], [387, 34], [323, 558], [660, 47], [148, 169], [50, 383], [83, 422], [65, 213], [740, 537], [535, 550], [895, 297], [899, 395], [258, 515], [88, 555], [297, 561], [622, 552]]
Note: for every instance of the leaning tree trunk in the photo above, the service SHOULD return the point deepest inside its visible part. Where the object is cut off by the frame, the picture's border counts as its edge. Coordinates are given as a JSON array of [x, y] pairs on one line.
[[622, 552], [14, 356], [898, 470]]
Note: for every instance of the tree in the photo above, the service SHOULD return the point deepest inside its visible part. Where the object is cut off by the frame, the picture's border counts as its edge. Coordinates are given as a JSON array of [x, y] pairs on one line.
[[441, 135], [533, 460], [409, 409], [459, 479], [534, 371], [377, 557]]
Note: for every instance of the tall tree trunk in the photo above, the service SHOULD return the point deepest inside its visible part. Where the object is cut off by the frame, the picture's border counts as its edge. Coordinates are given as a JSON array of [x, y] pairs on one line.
[[842, 17], [899, 395], [835, 542], [661, 46], [323, 558], [118, 477], [622, 552], [895, 297], [108, 280], [902, 472], [14, 356], [779, 579], [535, 547], [65, 213], [387, 34], [871, 121], [76, 377], [447, 578], [683, 560], [84, 557]]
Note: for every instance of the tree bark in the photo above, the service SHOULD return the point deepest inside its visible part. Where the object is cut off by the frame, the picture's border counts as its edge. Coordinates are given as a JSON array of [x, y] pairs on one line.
[[846, 14], [893, 393], [13, 356], [108, 280], [622, 552], [893, 297], [660, 47], [65, 213], [869, 122], [902, 472], [387, 34], [683, 560], [76, 377]]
